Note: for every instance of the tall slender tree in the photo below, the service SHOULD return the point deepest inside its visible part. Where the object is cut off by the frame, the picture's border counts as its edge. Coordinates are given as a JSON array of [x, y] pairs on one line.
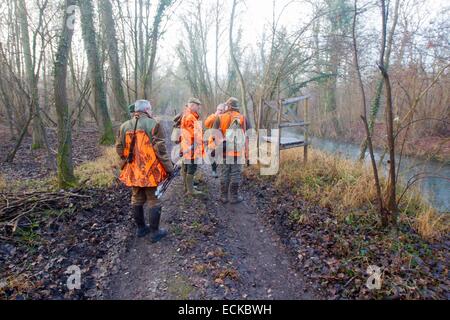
[[162, 7], [32, 80], [95, 71], [235, 62], [109, 29], [66, 178]]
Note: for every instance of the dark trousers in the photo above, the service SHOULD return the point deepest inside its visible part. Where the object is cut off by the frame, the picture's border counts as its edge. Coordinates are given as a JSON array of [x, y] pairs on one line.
[[190, 168]]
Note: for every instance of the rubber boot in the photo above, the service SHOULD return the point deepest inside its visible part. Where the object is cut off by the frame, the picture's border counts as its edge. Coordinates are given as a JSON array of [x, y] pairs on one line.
[[234, 194], [224, 192], [190, 186], [156, 234], [214, 170], [142, 228]]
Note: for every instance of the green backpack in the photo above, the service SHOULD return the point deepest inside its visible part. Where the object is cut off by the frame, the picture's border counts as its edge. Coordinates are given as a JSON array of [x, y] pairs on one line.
[[236, 134]]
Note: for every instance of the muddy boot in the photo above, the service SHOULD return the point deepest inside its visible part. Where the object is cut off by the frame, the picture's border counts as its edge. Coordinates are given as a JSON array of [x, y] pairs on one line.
[[190, 186], [142, 228], [214, 170], [223, 193], [234, 194], [156, 234]]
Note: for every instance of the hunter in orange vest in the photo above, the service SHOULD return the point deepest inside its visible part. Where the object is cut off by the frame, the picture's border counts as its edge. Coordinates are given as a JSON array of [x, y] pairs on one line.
[[209, 123], [146, 163], [232, 124], [191, 145]]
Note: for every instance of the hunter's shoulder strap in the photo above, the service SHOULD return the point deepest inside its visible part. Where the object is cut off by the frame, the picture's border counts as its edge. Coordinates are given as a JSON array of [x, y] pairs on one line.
[[240, 117]]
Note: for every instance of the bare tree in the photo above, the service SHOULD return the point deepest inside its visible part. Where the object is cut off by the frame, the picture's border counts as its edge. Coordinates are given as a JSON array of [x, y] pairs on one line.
[[66, 178], [381, 208], [376, 101], [32, 80], [109, 30], [155, 35], [95, 71], [391, 196], [235, 63]]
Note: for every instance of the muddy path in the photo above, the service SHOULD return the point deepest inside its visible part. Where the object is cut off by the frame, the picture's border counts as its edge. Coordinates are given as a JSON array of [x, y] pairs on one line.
[[213, 251]]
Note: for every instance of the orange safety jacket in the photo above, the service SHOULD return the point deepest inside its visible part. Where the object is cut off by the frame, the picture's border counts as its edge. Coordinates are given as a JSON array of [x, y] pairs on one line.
[[191, 136], [209, 122], [146, 170], [223, 123]]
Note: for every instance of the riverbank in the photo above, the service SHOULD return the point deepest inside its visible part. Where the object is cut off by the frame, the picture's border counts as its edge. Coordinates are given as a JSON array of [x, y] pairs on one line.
[[426, 147], [325, 211]]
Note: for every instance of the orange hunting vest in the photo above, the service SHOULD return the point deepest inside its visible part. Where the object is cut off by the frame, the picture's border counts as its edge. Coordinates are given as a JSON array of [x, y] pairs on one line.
[[191, 139], [209, 122], [225, 122]]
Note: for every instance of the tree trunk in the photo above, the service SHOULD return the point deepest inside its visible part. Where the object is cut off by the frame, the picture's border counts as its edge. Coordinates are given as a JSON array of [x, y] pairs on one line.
[[38, 130], [381, 209], [8, 105], [375, 106], [162, 6], [235, 63], [66, 178], [109, 30], [391, 196], [95, 72]]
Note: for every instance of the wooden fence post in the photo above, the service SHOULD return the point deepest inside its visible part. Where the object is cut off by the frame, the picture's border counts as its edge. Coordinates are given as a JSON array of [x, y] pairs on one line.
[[306, 137]]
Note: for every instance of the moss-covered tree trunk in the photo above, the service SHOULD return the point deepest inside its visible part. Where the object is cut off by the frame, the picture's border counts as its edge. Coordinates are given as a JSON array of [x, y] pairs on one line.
[[66, 178], [95, 71], [109, 29]]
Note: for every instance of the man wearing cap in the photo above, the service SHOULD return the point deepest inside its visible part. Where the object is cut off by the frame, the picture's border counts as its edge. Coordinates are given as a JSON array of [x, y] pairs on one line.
[[191, 145], [140, 144], [209, 122], [231, 169]]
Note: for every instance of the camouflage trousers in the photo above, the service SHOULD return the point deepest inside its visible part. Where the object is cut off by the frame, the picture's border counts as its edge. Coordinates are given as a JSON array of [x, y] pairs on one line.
[[230, 174]]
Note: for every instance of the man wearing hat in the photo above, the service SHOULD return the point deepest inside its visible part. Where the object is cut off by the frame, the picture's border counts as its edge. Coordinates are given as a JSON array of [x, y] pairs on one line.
[[232, 121], [209, 122], [140, 144], [191, 145]]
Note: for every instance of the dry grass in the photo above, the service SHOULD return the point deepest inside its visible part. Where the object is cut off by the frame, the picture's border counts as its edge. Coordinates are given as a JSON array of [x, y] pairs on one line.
[[347, 187], [328, 180], [21, 284], [2, 183], [430, 224], [102, 171]]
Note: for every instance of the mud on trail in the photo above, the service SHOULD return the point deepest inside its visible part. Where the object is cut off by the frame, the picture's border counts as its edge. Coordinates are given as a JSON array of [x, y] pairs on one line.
[[213, 251]]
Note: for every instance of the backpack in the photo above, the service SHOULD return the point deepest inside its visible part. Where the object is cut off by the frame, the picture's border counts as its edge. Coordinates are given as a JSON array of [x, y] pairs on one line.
[[235, 134]]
